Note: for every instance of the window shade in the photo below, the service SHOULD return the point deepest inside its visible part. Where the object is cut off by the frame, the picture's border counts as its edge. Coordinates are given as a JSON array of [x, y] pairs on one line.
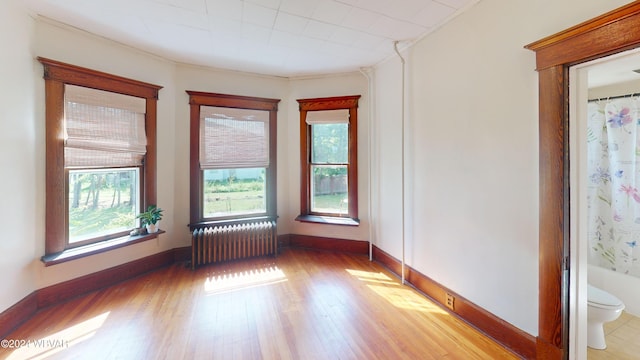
[[233, 138], [103, 128], [340, 116]]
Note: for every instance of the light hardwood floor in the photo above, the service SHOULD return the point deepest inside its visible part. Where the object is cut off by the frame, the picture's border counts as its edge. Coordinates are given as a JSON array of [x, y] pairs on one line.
[[301, 305]]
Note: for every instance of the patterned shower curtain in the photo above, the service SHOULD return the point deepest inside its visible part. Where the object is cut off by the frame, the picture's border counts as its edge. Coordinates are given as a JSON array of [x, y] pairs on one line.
[[613, 143]]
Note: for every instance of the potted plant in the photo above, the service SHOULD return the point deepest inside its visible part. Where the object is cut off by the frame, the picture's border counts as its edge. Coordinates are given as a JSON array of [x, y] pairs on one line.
[[150, 218]]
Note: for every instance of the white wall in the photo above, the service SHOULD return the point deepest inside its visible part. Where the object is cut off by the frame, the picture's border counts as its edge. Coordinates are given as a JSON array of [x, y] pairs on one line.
[[472, 152], [22, 210], [387, 155], [624, 287], [619, 89]]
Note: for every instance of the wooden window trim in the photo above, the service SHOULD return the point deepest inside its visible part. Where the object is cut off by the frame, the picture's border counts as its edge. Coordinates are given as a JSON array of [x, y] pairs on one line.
[[197, 99], [56, 76], [318, 104]]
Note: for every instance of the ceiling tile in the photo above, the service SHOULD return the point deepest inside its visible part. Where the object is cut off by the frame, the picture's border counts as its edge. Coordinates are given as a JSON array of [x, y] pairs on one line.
[[367, 41], [396, 30], [433, 14], [290, 23], [345, 36], [319, 30], [255, 33], [294, 41], [230, 9], [271, 4], [180, 16], [331, 12], [458, 4], [192, 5], [258, 15], [292, 37], [304, 8], [179, 38], [227, 28], [361, 19], [398, 9]]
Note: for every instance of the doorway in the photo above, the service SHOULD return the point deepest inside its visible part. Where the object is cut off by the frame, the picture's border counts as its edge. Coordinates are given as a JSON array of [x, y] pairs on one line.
[[596, 81], [610, 33], [603, 78]]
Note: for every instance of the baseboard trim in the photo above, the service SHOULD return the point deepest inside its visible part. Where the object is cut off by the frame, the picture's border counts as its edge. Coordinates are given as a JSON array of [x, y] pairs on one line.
[[509, 336], [61, 292], [67, 290], [18, 313], [548, 351], [182, 254], [328, 244]]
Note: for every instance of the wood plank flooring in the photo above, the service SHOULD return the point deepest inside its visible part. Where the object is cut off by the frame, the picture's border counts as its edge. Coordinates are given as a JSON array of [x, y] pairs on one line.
[[301, 305]]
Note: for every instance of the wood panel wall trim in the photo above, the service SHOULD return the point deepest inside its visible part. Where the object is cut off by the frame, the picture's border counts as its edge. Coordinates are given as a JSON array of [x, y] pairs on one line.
[[580, 40], [284, 241], [329, 244], [235, 101], [554, 205], [76, 75], [610, 33], [546, 350], [509, 336], [58, 293], [17, 314], [329, 103], [64, 291]]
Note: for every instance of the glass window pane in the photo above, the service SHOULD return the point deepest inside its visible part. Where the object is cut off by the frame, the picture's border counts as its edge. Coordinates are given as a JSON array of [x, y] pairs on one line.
[[102, 202], [230, 192], [330, 144], [329, 190]]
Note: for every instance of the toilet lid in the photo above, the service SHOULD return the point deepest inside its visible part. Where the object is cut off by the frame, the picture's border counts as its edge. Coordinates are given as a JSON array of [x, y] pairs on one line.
[[599, 296]]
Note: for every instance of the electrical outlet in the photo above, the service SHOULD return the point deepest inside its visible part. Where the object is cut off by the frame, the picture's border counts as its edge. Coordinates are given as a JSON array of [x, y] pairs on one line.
[[450, 301]]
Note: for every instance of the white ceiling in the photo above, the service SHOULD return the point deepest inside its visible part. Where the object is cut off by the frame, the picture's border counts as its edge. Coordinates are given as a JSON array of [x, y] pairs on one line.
[[274, 37], [615, 69]]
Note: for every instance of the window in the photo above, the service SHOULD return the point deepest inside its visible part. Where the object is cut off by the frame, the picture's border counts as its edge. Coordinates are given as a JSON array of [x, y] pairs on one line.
[[233, 158], [328, 160], [100, 162]]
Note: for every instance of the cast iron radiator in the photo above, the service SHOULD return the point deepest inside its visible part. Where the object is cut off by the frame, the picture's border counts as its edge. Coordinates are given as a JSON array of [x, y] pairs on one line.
[[231, 242]]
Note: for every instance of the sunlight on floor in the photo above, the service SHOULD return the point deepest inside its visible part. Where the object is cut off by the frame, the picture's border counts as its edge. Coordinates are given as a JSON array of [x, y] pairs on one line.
[[396, 294], [227, 282], [51, 344], [371, 276]]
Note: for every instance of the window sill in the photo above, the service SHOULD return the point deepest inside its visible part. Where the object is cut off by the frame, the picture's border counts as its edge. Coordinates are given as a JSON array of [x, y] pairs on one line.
[[231, 221], [83, 251], [332, 220]]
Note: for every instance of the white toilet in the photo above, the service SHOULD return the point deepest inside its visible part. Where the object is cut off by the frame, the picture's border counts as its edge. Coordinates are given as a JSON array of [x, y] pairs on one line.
[[602, 307]]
